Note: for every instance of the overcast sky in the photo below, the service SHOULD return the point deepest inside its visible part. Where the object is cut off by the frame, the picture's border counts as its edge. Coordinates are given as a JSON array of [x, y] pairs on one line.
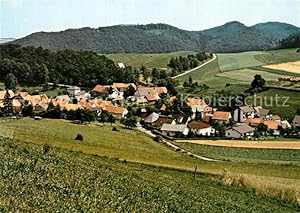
[[22, 17]]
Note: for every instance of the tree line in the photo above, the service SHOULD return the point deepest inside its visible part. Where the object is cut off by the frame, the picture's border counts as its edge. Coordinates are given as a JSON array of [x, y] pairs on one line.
[[182, 63], [36, 66]]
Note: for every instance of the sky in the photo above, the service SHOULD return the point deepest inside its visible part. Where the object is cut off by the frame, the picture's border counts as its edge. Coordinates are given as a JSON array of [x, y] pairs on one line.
[[19, 18]]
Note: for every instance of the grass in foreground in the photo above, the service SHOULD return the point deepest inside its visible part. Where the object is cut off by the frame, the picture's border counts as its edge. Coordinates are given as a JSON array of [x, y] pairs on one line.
[[59, 180], [130, 145], [244, 154]]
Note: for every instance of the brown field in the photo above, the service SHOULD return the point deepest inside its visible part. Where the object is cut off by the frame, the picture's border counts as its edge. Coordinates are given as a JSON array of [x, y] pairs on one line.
[[247, 144], [293, 67]]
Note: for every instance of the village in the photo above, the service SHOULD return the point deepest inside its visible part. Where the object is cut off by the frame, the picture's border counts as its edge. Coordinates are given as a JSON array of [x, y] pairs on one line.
[[155, 110]]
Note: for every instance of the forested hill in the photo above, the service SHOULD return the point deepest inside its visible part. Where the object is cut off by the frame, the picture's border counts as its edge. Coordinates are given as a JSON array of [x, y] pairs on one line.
[[293, 41], [36, 66], [156, 38]]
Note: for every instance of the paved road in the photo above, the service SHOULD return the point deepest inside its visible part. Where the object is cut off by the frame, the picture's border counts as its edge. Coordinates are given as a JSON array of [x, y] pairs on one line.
[[168, 143], [196, 68], [295, 144]]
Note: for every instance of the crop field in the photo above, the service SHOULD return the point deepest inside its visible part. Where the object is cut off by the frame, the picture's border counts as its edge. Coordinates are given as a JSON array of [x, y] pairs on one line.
[[147, 60], [246, 75], [34, 179], [293, 67], [245, 154], [129, 145]]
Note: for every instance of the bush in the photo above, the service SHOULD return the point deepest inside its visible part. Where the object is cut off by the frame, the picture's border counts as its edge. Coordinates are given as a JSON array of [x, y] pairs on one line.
[[79, 137], [46, 148], [115, 129]]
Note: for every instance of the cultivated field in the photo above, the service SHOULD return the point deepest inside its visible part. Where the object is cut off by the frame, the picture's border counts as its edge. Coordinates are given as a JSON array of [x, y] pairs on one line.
[[293, 67], [147, 60], [34, 178]]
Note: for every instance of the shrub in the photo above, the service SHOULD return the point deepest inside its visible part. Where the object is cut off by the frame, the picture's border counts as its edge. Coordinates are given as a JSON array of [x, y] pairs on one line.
[[79, 137], [46, 148]]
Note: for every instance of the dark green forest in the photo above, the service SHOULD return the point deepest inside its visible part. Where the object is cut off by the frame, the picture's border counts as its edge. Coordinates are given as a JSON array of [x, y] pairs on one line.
[[161, 38], [292, 41], [35, 66]]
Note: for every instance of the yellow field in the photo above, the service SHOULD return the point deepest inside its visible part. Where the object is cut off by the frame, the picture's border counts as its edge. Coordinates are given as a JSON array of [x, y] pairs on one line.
[[293, 67]]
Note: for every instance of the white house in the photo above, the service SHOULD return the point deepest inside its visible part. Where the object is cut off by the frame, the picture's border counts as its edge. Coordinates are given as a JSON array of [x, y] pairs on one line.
[[118, 112], [242, 113], [73, 90], [200, 128], [121, 66], [242, 131], [174, 129]]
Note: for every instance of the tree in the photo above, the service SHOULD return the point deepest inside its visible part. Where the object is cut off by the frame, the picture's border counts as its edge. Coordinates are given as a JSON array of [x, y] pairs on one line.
[[129, 121], [258, 83], [8, 106], [79, 137], [129, 91], [262, 127], [103, 117], [27, 110], [11, 81], [111, 119], [190, 81]]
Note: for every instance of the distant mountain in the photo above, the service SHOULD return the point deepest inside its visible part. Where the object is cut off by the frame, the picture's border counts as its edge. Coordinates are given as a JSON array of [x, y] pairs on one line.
[[156, 38], [293, 41], [277, 29]]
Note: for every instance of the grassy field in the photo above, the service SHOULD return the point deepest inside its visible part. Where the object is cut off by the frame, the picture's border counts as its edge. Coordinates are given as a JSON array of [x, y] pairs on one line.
[[127, 144], [246, 75], [244, 154], [278, 56], [33, 179], [269, 101], [236, 61], [147, 60]]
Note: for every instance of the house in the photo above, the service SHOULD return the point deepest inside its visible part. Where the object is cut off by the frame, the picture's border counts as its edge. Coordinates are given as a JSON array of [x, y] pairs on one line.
[[104, 89], [261, 112], [17, 106], [153, 117], [201, 128], [285, 124], [242, 113], [273, 125], [73, 90], [296, 121], [40, 102], [164, 120], [142, 92], [123, 86], [242, 131], [174, 130], [121, 65], [3, 93], [119, 112], [254, 122], [72, 107], [221, 117], [152, 98]]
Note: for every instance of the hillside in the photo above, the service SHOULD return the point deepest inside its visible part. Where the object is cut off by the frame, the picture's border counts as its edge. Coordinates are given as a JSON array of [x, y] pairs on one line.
[[277, 29], [159, 38], [293, 41], [35, 178]]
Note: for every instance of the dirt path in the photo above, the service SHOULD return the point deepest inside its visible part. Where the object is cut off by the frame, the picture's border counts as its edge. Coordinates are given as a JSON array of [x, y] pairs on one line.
[[247, 144], [196, 68]]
